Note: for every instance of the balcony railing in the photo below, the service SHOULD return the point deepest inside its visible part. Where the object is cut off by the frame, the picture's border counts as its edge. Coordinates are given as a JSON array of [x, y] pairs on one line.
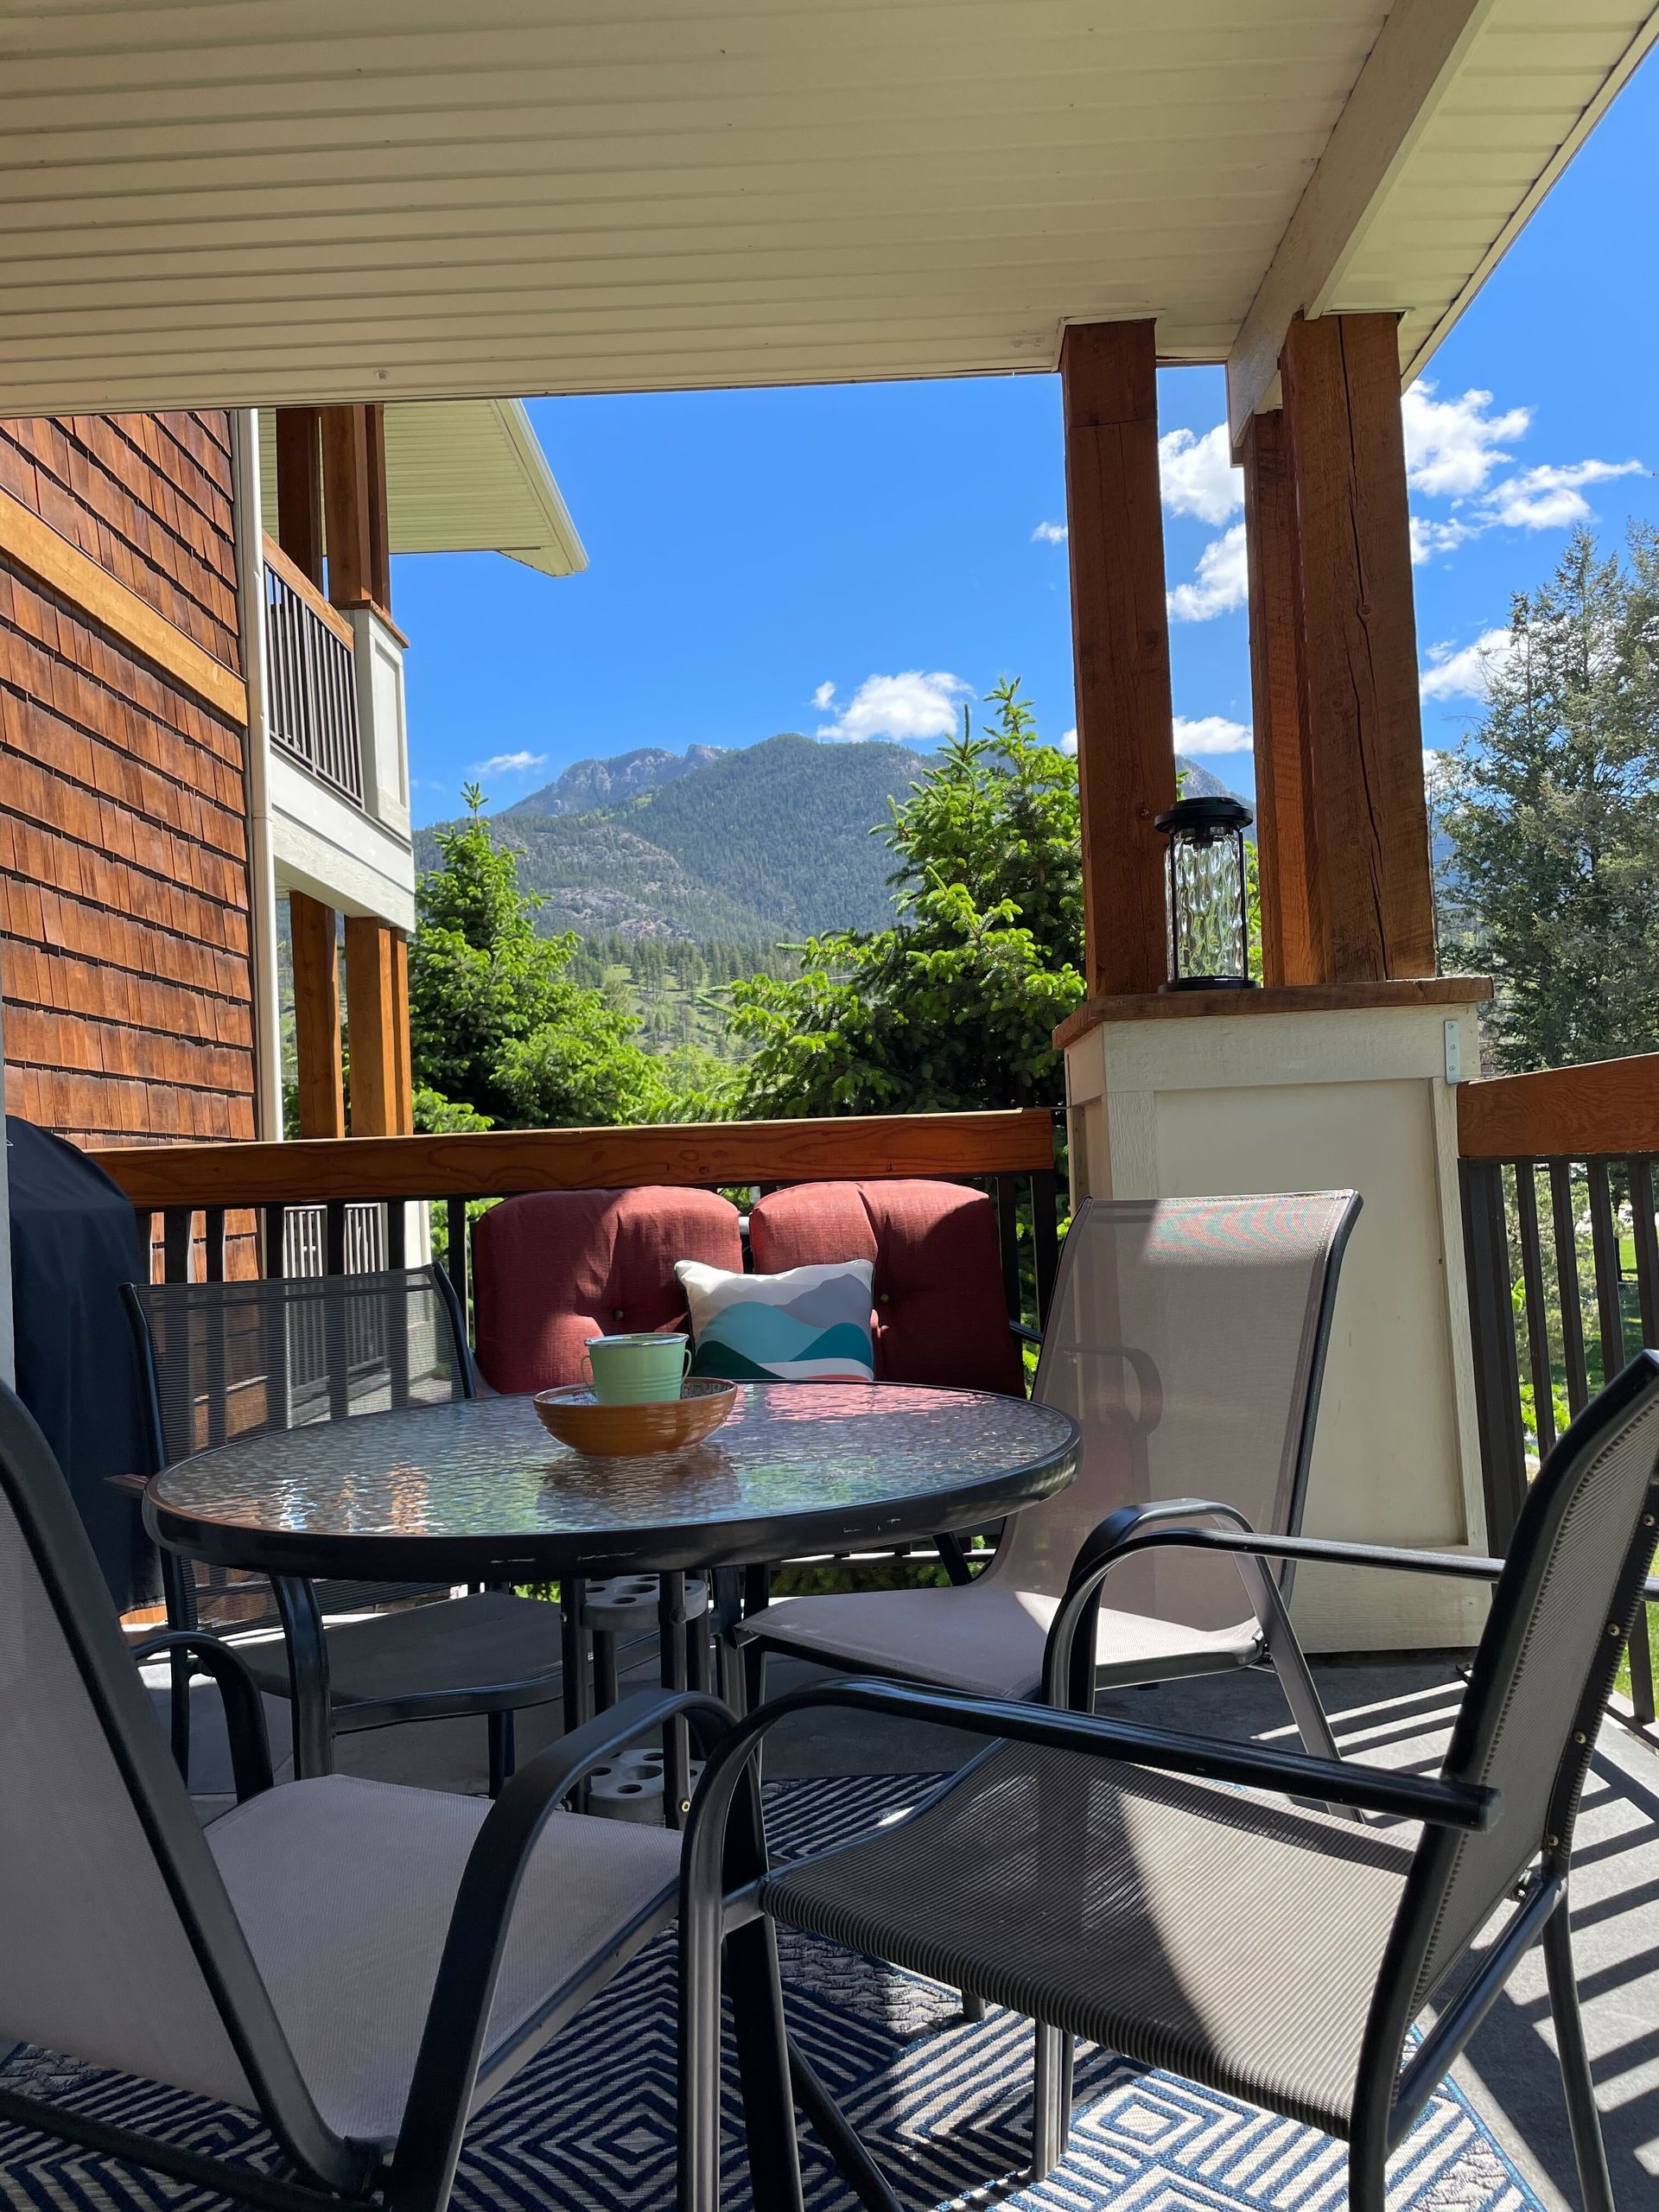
[[333, 1205], [1562, 1246], [311, 677]]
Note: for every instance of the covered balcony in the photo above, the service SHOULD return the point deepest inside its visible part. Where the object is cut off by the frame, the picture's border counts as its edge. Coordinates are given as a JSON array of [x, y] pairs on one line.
[[342, 212]]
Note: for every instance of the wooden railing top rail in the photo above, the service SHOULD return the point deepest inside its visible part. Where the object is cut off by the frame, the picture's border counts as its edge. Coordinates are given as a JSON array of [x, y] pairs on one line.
[[302, 588], [1603, 1107], [497, 1162]]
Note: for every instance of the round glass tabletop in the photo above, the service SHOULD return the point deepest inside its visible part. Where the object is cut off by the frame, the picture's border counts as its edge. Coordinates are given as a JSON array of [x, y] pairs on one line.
[[477, 1491]]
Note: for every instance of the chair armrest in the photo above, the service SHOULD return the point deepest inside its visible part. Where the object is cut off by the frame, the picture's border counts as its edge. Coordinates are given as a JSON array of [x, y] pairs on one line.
[[1439, 1802], [452, 2040], [1469, 1566], [244, 1706]]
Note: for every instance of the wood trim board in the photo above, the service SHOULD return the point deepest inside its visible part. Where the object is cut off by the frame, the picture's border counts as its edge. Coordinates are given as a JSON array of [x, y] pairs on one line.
[[1290, 998], [64, 569]]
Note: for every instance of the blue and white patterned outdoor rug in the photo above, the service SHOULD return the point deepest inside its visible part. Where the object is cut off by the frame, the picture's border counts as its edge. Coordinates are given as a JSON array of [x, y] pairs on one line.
[[945, 2107]]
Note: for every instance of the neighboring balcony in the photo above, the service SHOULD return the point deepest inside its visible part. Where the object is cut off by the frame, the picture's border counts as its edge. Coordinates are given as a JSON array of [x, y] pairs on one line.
[[338, 763]]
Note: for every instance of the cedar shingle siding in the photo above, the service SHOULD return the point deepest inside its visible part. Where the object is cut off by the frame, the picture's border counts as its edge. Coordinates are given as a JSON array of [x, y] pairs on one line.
[[123, 881]]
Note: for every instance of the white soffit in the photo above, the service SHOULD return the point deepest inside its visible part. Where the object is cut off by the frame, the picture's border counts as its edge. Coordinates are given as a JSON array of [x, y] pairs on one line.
[[464, 476], [239, 202]]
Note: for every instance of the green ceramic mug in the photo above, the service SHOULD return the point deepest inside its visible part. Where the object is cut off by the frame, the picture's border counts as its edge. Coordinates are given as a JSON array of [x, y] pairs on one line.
[[638, 1371]]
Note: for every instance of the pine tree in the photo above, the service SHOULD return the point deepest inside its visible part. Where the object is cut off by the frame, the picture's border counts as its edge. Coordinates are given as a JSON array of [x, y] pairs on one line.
[[1552, 881]]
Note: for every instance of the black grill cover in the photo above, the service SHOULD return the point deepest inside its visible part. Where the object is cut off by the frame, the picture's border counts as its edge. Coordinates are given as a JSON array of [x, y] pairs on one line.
[[74, 1241]]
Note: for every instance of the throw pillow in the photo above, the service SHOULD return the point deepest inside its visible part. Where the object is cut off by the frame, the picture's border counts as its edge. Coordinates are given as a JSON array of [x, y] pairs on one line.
[[811, 1325]]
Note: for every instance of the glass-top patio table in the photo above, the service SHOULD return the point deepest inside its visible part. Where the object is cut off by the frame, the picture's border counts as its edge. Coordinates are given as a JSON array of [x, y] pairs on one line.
[[478, 1492]]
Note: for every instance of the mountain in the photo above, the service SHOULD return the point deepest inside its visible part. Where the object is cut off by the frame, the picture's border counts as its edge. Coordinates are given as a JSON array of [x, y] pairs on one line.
[[587, 784], [770, 840], [1200, 784], [764, 841]]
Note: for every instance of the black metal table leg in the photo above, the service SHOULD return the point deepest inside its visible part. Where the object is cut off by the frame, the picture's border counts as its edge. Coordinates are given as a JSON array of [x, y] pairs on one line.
[[578, 1689], [677, 1756], [308, 1675]]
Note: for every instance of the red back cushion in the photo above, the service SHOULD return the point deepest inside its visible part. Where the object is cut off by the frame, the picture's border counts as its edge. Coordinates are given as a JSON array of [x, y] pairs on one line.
[[940, 1314], [555, 1268]]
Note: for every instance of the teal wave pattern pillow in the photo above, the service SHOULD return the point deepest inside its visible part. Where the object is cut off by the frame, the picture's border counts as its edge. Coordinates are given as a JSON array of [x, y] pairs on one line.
[[811, 1325]]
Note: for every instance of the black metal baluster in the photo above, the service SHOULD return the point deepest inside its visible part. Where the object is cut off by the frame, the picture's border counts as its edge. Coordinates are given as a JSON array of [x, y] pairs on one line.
[[1646, 1245], [333, 1261], [1567, 1279], [275, 1241], [396, 1224], [1497, 1375], [1007, 1238], [1045, 1237], [1604, 1240], [176, 1243], [455, 1216], [1532, 1283], [213, 1235]]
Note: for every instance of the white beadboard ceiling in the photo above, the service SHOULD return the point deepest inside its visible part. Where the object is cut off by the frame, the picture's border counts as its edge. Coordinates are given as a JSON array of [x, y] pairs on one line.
[[241, 201], [464, 476]]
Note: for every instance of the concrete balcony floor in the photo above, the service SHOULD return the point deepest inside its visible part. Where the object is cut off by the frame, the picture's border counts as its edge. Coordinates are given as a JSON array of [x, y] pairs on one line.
[[1394, 1713]]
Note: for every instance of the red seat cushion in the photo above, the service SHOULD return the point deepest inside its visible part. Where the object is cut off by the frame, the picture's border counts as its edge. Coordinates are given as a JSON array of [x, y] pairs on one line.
[[554, 1267], [940, 1314]]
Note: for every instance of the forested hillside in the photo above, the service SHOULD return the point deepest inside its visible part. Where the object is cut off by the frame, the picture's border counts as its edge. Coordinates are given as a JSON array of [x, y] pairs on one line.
[[767, 842]]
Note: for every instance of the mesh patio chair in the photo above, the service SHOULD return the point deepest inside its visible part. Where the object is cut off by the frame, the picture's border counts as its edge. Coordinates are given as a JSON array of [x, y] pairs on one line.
[[1187, 1339], [1148, 1890], [360, 1964], [236, 1359]]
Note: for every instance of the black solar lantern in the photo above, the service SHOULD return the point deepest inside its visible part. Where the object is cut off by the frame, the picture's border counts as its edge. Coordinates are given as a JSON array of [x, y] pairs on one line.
[[1205, 910]]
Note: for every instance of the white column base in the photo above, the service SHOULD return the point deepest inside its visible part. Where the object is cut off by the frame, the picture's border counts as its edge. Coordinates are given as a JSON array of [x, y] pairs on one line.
[[1210, 1101]]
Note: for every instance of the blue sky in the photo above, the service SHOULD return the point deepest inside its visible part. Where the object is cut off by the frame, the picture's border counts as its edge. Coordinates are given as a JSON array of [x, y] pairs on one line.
[[856, 560]]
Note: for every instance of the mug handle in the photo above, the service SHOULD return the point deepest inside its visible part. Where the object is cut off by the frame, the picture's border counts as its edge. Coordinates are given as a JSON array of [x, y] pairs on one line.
[[588, 1370], [686, 1357]]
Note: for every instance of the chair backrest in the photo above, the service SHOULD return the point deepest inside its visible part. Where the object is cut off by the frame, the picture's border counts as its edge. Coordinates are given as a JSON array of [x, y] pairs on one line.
[[554, 1267], [117, 1943], [1561, 1615], [1187, 1338], [236, 1359], [941, 1314]]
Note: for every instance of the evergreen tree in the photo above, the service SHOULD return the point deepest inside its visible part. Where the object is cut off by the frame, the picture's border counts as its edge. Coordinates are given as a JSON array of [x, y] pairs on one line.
[[955, 1005], [496, 1025], [1551, 879]]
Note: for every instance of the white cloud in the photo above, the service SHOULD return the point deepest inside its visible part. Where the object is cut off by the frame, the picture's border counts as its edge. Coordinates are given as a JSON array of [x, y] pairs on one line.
[[823, 696], [912, 705], [510, 763], [1222, 582], [1465, 674], [1454, 445], [1197, 474], [1212, 733], [1548, 497], [1049, 533], [1068, 743], [1430, 537]]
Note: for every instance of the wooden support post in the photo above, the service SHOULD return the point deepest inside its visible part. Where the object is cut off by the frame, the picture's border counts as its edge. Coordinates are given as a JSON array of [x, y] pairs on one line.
[[403, 1074], [354, 498], [1120, 626], [380, 1107], [316, 1016], [299, 489], [1361, 719], [1292, 923]]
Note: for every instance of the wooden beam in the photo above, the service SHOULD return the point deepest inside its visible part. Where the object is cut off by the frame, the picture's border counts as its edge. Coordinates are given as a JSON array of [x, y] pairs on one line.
[[348, 505], [371, 1026], [74, 575], [299, 490], [316, 1016], [402, 1072], [1120, 632], [374, 432], [1291, 894], [1578, 1113], [496, 1163], [1419, 52], [1361, 715]]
